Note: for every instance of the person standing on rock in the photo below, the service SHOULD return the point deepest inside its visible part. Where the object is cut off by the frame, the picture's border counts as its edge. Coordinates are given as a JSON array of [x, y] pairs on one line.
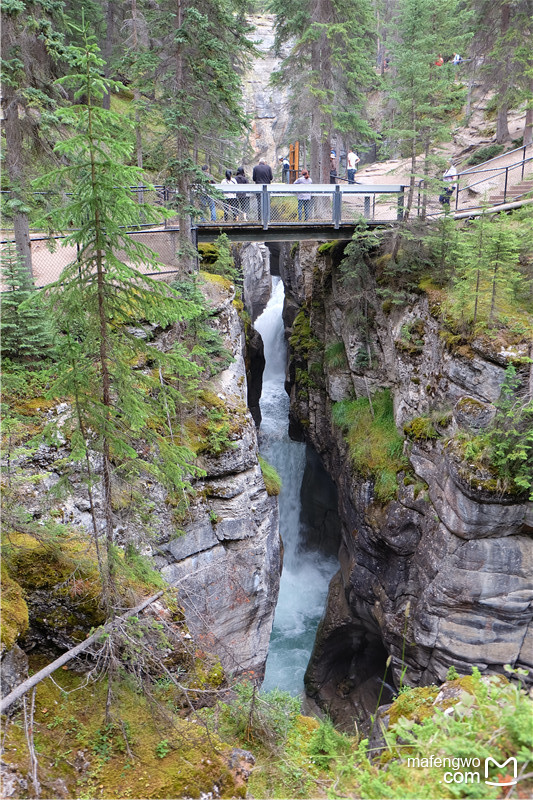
[[352, 162], [304, 198], [262, 173]]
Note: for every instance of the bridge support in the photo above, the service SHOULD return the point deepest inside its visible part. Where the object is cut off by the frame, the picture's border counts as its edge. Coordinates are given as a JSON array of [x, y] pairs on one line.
[[399, 212], [265, 207], [337, 207]]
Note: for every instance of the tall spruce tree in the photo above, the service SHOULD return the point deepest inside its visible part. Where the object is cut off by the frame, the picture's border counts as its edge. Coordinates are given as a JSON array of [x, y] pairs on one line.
[[121, 411], [201, 48], [426, 96], [328, 68], [32, 48], [503, 31]]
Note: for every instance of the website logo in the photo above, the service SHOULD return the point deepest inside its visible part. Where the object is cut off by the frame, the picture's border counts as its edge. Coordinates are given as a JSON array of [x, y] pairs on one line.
[[506, 781]]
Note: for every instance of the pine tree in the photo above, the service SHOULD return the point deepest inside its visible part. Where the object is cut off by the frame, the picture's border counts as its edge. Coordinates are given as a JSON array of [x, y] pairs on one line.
[[503, 32], [25, 330], [328, 69], [201, 49], [32, 47], [425, 95], [122, 388], [511, 434]]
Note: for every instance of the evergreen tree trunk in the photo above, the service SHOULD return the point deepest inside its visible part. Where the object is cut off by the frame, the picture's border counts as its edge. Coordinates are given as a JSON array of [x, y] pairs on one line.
[[136, 100], [15, 172], [106, 380], [502, 128], [107, 49], [411, 192], [426, 174], [315, 147], [528, 124], [185, 247]]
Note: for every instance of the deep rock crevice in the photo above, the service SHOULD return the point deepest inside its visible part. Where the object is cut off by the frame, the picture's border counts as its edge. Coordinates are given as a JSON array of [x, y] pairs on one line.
[[438, 576]]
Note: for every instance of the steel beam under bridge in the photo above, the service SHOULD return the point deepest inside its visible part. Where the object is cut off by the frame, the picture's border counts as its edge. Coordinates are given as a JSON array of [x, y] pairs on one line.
[[281, 233], [280, 212]]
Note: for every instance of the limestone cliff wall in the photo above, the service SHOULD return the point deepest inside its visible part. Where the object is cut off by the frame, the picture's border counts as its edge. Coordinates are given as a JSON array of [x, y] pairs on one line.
[[441, 575], [267, 107], [222, 553], [227, 565]]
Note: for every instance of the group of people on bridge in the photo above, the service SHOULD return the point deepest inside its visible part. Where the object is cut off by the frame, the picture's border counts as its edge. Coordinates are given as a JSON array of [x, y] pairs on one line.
[[237, 205]]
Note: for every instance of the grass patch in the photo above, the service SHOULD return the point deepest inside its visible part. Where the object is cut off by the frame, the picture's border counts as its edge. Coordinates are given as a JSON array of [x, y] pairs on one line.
[[270, 476], [376, 447]]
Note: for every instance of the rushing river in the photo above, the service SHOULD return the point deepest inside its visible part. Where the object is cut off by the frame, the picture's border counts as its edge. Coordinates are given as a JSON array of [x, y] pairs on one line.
[[305, 577]]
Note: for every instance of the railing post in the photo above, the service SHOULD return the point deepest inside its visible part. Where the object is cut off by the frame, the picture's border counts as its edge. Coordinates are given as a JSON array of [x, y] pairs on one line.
[[523, 162], [399, 212], [265, 207], [505, 185], [367, 206], [337, 207]]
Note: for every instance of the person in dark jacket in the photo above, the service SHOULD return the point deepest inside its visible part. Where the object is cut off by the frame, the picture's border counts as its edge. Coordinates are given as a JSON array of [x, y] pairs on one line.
[[262, 173], [243, 199]]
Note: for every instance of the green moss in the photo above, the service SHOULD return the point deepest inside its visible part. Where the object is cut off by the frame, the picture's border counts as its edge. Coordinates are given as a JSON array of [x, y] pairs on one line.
[[471, 406], [270, 476], [326, 247], [208, 253], [302, 339], [192, 763], [414, 704], [375, 446], [220, 280], [14, 611], [421, 429]]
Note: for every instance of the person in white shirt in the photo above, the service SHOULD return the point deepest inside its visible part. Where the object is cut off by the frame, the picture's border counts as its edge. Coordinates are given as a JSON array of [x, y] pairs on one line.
[[304, 198], [352, 162], [230, 199]]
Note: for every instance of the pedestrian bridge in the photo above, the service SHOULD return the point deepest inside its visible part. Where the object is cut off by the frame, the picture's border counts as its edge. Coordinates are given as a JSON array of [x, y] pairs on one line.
[[280, 212]]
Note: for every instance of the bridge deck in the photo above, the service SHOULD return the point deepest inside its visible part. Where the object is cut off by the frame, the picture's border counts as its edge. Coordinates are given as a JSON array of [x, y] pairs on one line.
[[280, 232]]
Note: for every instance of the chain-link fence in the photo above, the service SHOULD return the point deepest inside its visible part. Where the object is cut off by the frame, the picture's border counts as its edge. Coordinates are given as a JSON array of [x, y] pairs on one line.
[[50, 255]]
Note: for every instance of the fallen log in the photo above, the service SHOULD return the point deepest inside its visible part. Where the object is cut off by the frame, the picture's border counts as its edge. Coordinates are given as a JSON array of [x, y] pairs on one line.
[[43, 673]]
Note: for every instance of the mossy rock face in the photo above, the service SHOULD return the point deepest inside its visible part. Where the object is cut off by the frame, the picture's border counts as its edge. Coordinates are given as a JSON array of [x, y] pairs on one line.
[[471, 413], [60, 584], [14, 611], [208, 253]]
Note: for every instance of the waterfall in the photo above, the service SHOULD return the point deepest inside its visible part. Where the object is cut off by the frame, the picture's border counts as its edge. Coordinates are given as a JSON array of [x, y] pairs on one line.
[[305, 577]]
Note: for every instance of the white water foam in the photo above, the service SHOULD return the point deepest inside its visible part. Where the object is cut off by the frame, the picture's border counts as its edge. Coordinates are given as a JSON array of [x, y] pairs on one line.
[[305, 577]]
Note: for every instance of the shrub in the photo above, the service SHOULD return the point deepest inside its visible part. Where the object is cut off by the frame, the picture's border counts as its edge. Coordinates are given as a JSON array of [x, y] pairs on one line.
[[485, 154]]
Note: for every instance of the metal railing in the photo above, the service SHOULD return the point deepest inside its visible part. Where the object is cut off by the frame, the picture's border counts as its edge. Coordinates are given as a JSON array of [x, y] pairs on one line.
[[493, 181], [269, 205]]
